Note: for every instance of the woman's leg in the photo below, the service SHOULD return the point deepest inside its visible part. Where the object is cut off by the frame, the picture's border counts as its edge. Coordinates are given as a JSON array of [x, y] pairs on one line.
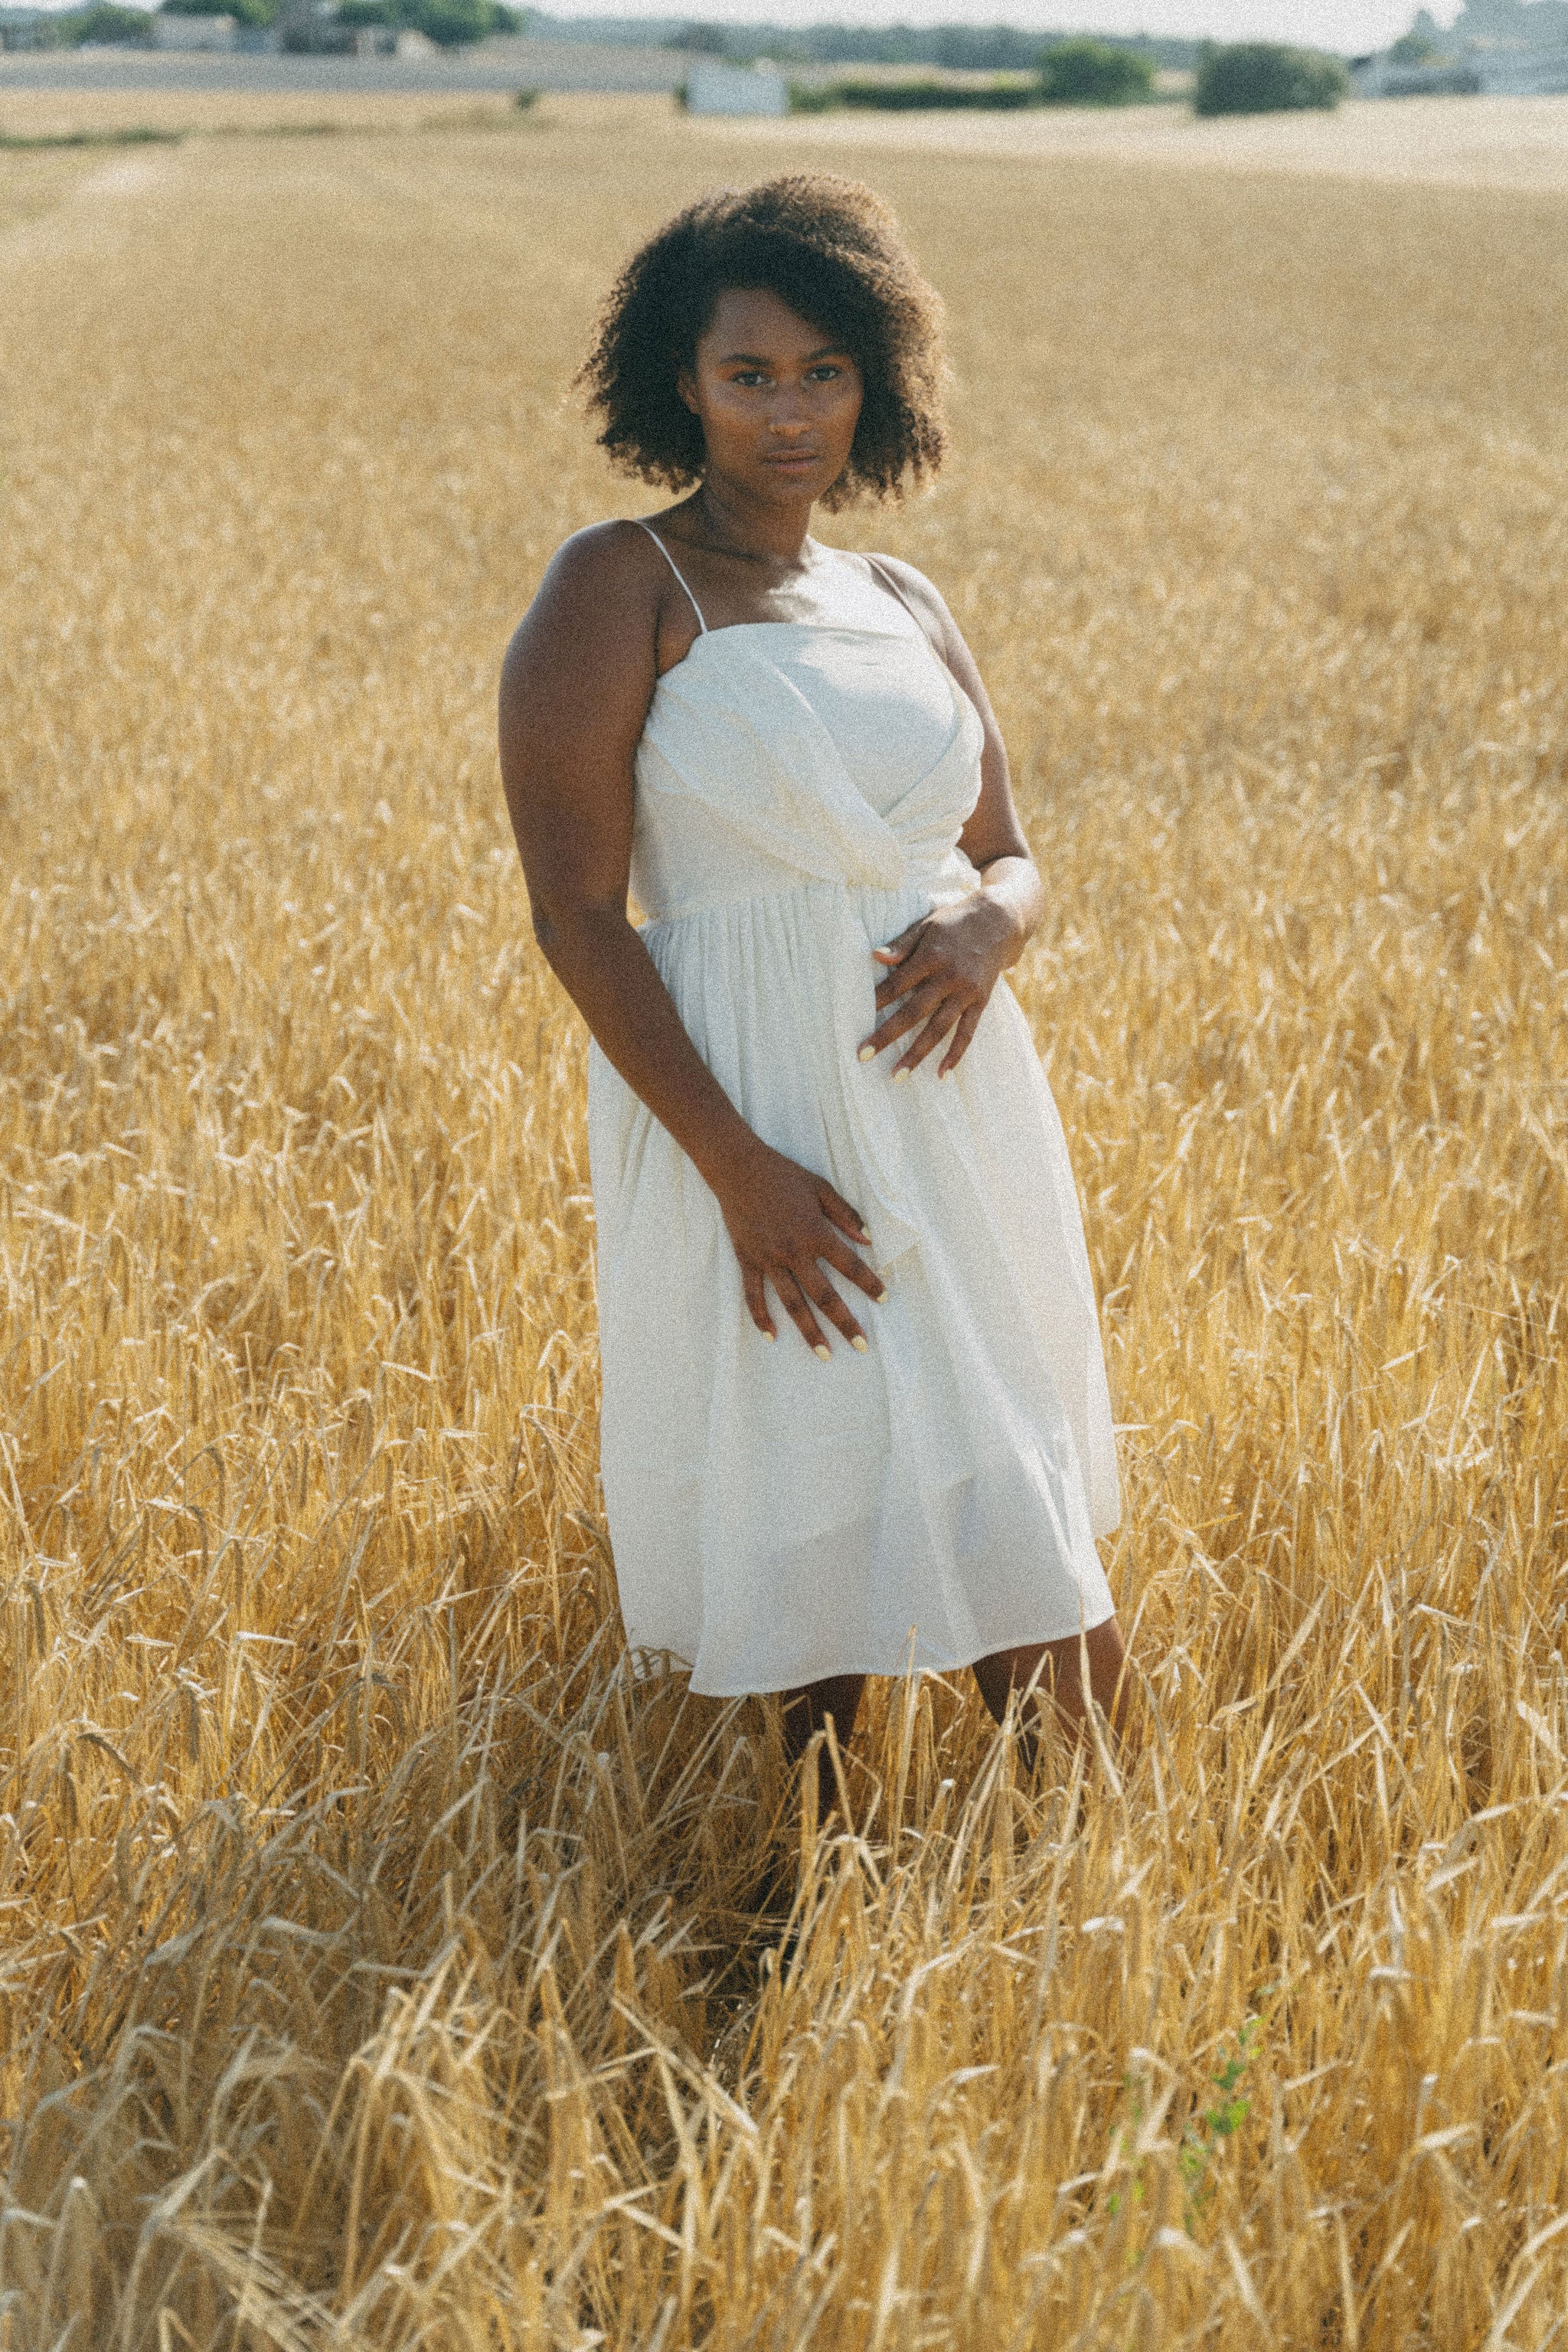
[[1061, 1675], [805, 1714]]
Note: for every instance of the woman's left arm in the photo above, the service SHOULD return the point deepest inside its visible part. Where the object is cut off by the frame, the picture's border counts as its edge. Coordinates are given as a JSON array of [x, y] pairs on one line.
[[941, 970]]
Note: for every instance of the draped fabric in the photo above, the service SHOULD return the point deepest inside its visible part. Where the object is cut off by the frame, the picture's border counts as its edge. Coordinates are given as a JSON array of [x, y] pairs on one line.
[[775, 1518]]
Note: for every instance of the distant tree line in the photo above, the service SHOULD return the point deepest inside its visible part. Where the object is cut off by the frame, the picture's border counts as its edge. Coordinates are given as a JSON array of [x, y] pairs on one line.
[[1067, 73], [450, 23], [1240, 77], [961, 49], [105, 25]]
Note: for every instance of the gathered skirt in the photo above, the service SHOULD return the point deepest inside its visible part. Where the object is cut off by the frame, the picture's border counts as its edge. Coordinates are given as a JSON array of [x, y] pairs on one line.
[[775, 1519]]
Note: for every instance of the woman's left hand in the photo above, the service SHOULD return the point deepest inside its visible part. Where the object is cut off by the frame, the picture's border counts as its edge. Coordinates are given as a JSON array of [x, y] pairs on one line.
[[941, 973]]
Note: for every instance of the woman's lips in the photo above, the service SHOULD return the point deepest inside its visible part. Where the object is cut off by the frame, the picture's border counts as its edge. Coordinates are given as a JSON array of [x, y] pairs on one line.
[[795, 460]]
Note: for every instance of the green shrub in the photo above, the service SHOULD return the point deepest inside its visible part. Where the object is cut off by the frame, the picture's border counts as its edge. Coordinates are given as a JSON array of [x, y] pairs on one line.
[[103, 25], [700, 40], [904, 96], [451, 23], [1264, 77], [247, 11], [448, 22], [1095, 73]]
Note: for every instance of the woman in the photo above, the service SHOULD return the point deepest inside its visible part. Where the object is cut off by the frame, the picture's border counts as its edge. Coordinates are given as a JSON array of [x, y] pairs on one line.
[[816, 1116]]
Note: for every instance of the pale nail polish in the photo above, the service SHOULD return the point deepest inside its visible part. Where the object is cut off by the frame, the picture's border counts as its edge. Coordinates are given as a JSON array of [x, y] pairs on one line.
[[770, 1336], [944, 1074], [868, 1053], [880, 1295], [826, 1353], [860, 1345], [900, 1074]]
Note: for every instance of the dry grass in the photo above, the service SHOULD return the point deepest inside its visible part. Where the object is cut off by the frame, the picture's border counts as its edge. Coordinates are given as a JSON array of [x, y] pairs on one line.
[[384, 1963], [1477, 143]]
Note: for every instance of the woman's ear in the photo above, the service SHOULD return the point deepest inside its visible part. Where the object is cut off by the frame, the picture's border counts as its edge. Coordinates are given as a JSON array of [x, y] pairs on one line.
[[686, 386]]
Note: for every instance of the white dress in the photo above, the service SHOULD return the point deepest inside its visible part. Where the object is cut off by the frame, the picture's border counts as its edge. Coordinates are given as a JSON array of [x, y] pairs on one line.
[[800, 790]]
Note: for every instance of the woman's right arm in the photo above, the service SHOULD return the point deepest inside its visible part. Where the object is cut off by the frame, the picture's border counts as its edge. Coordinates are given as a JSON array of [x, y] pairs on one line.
[[576, 688]]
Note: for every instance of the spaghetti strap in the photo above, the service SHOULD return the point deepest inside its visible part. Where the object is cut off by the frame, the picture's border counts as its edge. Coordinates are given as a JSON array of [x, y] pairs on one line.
[[894, 589], [675, 567]]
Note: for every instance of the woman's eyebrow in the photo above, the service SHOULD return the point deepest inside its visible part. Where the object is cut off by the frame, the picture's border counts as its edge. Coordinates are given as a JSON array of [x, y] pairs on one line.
[[761, 359]]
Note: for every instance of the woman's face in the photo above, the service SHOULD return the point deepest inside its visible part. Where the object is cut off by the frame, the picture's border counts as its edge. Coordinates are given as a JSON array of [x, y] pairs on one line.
[[778, 400]]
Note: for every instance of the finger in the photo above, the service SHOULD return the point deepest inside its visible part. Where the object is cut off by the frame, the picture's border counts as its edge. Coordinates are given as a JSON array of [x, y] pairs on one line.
[[924, 965], [919, 1009], [854, 1269], [757, 1300], [896, 950], [968, 1024], [928, 1041], [831, 1303], [792, 1299], [837, 1208]]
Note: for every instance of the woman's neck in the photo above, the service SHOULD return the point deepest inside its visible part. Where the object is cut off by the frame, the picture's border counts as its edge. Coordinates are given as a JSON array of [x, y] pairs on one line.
[[764, 531]]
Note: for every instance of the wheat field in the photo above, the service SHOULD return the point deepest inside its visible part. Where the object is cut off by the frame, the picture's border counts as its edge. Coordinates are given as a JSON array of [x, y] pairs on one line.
[[386, 1963]]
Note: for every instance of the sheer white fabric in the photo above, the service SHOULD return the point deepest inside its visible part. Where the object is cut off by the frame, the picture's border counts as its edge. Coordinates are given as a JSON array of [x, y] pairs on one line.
[[800, 790]]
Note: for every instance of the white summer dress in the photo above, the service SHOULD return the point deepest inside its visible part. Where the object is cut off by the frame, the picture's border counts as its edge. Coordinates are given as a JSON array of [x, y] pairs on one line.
[[800, 790]]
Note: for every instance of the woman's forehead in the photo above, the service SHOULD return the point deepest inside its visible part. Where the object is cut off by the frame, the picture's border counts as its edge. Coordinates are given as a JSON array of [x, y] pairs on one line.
[[754, 323]]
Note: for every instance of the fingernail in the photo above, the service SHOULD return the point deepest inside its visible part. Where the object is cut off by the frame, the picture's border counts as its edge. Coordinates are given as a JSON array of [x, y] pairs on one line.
[[863, 1234], [868, 1053], [770, 1336], [900, 1074], [944, 1074], [826, 1353], [859, 1344], [881, 1293]]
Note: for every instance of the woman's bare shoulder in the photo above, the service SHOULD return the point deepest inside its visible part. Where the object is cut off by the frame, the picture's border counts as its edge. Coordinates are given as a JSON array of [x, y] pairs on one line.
[[617, 561], [598, 607], [917, 591]]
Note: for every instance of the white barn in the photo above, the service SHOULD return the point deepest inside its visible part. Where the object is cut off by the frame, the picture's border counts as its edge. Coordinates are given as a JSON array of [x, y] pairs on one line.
[[715, 88]]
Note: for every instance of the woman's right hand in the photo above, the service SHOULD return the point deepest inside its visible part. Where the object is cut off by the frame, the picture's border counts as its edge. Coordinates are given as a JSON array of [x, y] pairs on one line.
[[788, 1226]]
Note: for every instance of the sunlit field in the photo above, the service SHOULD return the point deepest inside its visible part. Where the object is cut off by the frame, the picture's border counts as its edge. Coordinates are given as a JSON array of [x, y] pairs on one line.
[[387, 1962]]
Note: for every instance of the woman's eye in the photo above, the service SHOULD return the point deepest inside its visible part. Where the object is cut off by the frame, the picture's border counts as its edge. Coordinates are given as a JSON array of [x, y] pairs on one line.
[[748, 376]]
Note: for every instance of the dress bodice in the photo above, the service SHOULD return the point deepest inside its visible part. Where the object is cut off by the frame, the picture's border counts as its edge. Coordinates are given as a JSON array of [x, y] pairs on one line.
[[886, 703], [784, 752]]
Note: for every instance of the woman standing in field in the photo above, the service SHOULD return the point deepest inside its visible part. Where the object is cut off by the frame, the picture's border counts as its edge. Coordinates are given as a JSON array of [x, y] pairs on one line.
[[815, 1115]]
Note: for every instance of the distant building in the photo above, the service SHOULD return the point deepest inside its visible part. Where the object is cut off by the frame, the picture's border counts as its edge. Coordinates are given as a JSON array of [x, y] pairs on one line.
[[19, 27], [1516, 24], [715, 88], [177, 32], [1521, 72], [1504, 48], [1384, 76]]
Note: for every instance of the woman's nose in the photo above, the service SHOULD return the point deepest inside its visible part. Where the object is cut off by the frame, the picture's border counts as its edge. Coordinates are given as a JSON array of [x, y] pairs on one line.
[[788, 413]]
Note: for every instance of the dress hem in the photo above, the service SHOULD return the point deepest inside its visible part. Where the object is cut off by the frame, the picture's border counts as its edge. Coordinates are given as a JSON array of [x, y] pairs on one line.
[[886, 1673]]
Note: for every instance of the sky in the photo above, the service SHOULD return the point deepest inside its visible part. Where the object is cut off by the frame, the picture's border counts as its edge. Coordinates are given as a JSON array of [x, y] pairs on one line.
[[1351, 26]]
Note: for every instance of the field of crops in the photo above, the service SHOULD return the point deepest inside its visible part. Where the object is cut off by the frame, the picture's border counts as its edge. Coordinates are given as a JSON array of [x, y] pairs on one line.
[[384, 1963]]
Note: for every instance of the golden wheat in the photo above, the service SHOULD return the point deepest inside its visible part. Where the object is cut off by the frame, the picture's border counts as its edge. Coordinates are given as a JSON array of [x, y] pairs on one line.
[[387, 1965]]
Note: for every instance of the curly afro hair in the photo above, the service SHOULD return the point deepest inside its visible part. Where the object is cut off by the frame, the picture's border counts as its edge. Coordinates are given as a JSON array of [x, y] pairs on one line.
[[831, 249]]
